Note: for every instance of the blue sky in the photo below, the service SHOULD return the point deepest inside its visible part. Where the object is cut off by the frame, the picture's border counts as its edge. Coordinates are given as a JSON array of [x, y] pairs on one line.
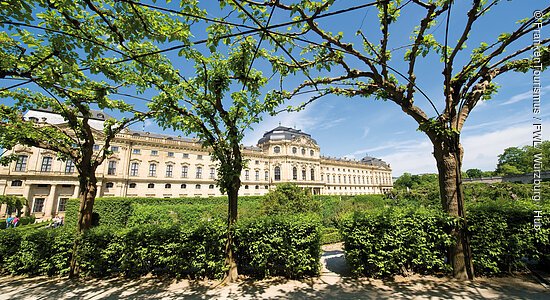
[[353, 128]]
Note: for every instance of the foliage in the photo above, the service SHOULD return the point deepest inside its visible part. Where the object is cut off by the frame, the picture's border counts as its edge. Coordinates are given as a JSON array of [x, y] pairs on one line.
[[410, 181], [289, 198], [516, 160], [286, 246], [13, 202], [394, 240], [289, 247], [502, 234], [390, 241]]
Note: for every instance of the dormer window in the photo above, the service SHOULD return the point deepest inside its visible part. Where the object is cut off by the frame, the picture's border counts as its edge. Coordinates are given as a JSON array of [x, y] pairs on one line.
[[277, 149], [303, 151], [100, 116]]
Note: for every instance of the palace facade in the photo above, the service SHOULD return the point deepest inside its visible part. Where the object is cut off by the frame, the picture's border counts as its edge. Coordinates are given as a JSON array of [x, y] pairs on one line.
[[145, 164]]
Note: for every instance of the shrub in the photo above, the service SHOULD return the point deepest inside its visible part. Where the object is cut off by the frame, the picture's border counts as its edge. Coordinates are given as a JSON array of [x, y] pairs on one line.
[[390, 241], [502, 233], [279, 246], [288, 198]]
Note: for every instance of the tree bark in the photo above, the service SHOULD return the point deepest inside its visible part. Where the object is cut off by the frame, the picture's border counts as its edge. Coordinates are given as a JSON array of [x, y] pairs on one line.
[[88, 191], [230, 262], [448, 155]]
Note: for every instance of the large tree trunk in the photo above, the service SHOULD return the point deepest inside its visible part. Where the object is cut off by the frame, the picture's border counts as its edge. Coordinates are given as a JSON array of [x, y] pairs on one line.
[[448, 154], [88, 191], [230, 262]]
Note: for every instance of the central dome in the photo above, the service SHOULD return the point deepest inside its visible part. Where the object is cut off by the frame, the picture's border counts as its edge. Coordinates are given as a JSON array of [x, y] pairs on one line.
[[283, 133]]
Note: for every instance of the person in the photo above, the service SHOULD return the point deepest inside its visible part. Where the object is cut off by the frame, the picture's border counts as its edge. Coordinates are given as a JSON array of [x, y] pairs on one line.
[[9, 221], [15, 221], [56, 221]]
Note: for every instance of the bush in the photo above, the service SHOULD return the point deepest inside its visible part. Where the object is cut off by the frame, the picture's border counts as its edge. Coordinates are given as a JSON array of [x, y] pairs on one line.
[[391, 241], [37, 252], [288, 198], [279, 246], [502, 234]]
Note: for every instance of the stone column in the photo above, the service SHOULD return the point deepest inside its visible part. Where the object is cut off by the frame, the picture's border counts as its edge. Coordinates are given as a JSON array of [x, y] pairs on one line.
[[51, 201], [27, 194], [76, 191]]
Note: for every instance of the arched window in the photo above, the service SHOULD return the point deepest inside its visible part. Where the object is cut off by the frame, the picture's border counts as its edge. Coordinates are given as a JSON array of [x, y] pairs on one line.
[[312, 174], [277, 173], [303, 174], [168, 186], [294, 150], [311, 152], [277, 149], [266, 175], [132, 185], [151, 186], [246, 187], [109, 185], [199, 172], [303, 151], [257, 187], [198, 186], [294, 173], [211, 186], [183, 186]]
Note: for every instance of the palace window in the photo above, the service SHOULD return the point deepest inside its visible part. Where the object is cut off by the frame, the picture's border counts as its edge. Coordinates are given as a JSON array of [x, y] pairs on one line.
[[134, 167], [183, 186], [311, 152], [170, 154], [96, 147], [277, 149], [109, 185], [277, 173], [168, 186], [313, 174], [38, 205], [198, 187], [153, 170], [303, 151], [69, 166], [185, 155], [266, 176], [61, 206], [199, 172], [294, 150], [16, 183], [46, 164], [199, 156], [246, 175], [111, 168], [136, 151], [21, 164], [257, 175], [169, 170], [294, 173], [211, 186], [114, 149], [212, 173], [151, 186], [154, 152], [303, 174], [184, 170], [132, 185]]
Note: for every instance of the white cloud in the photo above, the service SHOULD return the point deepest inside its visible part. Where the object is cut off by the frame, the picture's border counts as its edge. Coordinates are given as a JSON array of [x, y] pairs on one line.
[[524, 96], [366, 132]]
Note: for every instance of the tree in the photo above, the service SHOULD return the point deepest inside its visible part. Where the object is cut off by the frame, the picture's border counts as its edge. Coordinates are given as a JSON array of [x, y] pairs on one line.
[[289, 198], [217, 105], [71, 57], [474, 173], [13, 202], [366, 71], [515, 160]]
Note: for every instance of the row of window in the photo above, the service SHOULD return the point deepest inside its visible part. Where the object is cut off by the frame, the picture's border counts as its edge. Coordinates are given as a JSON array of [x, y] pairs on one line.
[[358, 179], [133, 185], [354, 171], [169, 154], [38, 204], [277, 149]]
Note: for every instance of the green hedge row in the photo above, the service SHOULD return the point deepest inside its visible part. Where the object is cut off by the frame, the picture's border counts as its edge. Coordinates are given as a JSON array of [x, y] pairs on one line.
[[290, 246], [393, 240], [115, 211], [390, 241]]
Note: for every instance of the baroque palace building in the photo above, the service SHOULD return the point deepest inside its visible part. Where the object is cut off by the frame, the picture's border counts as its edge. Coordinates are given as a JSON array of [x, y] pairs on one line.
[[145, 164]]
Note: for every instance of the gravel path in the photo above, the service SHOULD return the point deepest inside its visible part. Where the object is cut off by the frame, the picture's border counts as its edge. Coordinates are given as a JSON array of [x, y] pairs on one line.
[[334, 283]]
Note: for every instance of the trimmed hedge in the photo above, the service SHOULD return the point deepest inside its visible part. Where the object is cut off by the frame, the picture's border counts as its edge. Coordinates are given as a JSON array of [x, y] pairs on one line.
[[286, 246], [289, 247], [115, 211], [391, 241]]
